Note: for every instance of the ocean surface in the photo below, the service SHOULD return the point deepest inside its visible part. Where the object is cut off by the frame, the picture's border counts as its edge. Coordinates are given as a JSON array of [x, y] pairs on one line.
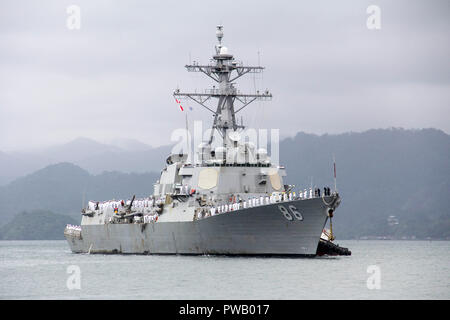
[[376, 270]]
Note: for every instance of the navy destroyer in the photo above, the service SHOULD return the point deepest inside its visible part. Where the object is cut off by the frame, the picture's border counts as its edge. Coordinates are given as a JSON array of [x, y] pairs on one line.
[[230, 200]]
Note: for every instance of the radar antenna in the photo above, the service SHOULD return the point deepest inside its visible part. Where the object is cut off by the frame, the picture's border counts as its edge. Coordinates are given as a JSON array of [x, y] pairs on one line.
[[224, 70]]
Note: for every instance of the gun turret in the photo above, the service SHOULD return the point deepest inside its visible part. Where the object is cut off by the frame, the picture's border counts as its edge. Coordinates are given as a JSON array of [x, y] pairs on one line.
[[131, 203]]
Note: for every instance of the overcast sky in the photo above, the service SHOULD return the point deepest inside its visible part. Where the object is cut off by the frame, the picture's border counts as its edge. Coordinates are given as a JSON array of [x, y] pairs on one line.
[[115, 76]]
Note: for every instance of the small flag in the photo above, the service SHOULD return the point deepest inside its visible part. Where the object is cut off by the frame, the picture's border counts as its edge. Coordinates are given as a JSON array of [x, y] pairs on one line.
[[179, 103], [181, 107]]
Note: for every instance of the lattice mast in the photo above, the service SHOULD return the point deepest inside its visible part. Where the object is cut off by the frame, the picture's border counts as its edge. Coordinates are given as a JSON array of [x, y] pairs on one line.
[[224, 70]]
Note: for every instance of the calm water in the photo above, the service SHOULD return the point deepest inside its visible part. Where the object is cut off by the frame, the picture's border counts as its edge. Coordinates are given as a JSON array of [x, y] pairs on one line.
[[409, 270]]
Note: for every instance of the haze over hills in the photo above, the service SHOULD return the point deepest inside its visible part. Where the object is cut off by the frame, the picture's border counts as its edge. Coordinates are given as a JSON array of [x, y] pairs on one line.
[[380, 173], [61, 188], [130, 144], [405, 173], [77, 150], [126, 155], [36, 225]]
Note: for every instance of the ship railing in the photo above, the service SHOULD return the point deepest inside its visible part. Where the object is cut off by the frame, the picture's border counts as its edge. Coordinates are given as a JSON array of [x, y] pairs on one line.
[[252, 203], [260, 201], [113, 204], [227, 91], [72, 227], [150, 218]]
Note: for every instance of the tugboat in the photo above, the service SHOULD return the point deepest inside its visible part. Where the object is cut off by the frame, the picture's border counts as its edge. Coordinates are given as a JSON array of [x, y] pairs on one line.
[[229, 200]]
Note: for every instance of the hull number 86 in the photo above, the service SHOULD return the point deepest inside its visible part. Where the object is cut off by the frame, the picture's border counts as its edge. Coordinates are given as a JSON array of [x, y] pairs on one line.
[[291, 213]]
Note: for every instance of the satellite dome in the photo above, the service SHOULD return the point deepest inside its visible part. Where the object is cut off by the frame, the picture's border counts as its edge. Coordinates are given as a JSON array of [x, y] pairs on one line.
[[234, 136], [224, 50], [262, 151]]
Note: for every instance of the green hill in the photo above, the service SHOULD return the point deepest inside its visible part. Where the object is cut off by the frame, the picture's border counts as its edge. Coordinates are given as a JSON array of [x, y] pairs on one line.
[[61, 188], [36, 225], [404, 173]]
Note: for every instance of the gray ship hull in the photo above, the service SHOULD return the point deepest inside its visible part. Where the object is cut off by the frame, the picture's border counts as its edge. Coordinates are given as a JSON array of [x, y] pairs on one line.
[[262, 230]]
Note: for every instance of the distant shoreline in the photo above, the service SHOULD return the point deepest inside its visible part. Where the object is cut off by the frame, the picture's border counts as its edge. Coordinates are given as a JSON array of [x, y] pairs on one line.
[[337, 240]]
